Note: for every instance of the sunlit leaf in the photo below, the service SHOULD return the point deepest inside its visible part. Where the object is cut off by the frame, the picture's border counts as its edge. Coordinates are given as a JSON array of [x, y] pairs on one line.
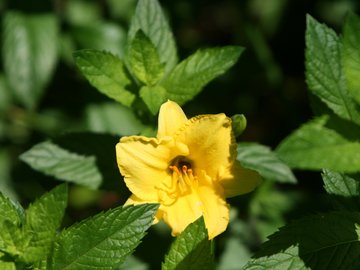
[[153, 97]]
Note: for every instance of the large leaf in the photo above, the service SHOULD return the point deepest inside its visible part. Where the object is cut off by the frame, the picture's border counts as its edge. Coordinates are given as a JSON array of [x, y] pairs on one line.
[[105, 72], [351, 54], [261, 159], [324, 72], [51, 159], [103, 241], [192, 74], [30, 54], [144, 59], [340, 184], [315, 147], [190, 250], [150, 18], [153, 96], [326, 241], [43, 219]]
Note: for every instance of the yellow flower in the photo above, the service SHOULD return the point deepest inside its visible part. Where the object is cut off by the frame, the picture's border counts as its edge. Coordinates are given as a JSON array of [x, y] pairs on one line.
[[189, 169]]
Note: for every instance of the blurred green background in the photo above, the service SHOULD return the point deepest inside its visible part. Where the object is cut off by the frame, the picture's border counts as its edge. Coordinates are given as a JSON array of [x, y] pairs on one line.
[[267, 85]]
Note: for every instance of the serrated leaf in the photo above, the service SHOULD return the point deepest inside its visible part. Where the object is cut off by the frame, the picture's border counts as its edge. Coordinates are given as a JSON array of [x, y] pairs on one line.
[[340, 184], [144, 59], [118, 232], [351, 54], [287, 259], [52, 160], [315, 147], [30, 54], [153, 96], [261, 159], [326, 241], [106, 73], [150, 18], [43, 218], [112, 118], [192, 74], [191, 249], [324, 72]]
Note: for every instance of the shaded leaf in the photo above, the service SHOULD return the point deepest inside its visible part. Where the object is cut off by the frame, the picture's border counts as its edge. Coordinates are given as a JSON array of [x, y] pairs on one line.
[[106, 73], [51, 159], [261, 159], [153, 97], [118, 232], [30, 54], [340, 184]]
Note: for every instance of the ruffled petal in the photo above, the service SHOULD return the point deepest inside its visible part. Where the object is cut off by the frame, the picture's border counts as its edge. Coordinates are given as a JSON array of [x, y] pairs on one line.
[[238, 180], [133, 200], [171, 118], [214, 207], [144, 163], [210, 141]]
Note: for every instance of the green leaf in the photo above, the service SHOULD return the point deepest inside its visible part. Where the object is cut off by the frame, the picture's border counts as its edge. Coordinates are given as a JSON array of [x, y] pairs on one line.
[[52, 160], [4, 265], [192, 74], [105, 72], [340, 184], [234, 256], [150, 18], [287, 259], [153, 97], [351, 54], [324, 73], [103, 241], [144, 59], [112, 118], [326, 241], [101, 36], [191, 250], [43, 218], [315, 147], [261, 159], [238, 123], [30, 54]]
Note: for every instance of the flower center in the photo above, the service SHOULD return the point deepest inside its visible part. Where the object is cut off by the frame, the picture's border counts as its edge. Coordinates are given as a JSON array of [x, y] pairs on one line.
[[182, 180]]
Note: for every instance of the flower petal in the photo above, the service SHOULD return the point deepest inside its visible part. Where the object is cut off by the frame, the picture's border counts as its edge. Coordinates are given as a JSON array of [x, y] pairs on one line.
[[171, 118], [214, 207], [133, 200], [238, 180], [144, 163], [210, 141]]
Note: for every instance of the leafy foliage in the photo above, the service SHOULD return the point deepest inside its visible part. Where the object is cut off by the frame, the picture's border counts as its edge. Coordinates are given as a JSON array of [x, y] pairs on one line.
[[191, 250], [261, 159], [30, 54], [340, 184], [118, 232]]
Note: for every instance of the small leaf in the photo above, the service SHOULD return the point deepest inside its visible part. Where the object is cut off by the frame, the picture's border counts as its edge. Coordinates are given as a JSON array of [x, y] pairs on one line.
[[261, 159], [351, 54], [52, 160], [326, 241], [192, 74], [153, 97], [30, 54], [315, 147], [144, 59], [43, 218], [238, 122], [103, 241], [340, 184], [105, 72], [191, 250], [324, 73], [150, 18]]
